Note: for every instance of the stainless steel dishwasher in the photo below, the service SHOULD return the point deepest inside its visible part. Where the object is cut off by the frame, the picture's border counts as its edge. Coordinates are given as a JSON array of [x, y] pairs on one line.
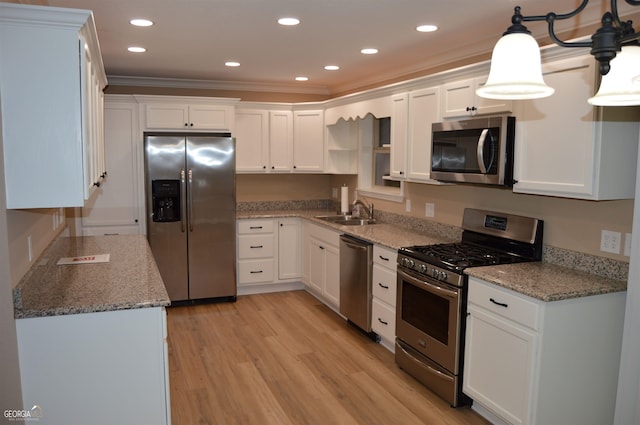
[[356, 259]]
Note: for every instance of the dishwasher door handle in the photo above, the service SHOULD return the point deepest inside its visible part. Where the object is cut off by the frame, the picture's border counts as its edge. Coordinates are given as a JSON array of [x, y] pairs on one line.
[[355, 246]]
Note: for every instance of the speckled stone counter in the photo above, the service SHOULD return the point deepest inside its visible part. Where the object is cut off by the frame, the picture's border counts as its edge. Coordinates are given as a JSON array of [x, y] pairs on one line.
[[547, 282], [130, 280], [559, 276], [388, 235]]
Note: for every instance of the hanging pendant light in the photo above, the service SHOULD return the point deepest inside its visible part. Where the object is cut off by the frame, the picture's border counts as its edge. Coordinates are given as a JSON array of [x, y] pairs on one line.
[[516, 70], [618, 88], [515, 64]]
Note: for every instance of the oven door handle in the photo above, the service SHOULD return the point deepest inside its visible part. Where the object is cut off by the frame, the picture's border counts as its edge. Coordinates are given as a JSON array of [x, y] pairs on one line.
[[435, 289]]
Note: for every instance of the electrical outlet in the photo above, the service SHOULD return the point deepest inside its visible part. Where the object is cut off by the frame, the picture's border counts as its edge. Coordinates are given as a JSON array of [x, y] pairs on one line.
[[408, 205], [610, 241], [334, 192], [430, 209], [627, 244]]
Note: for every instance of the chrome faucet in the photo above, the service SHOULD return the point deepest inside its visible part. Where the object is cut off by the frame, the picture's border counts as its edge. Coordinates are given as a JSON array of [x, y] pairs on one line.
[[367, 208]]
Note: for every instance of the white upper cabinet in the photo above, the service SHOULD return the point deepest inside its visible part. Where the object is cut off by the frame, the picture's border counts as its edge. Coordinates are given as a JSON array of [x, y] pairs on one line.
[[566, 147], [51, 82], [459, 100], [308, 141], [188, 113], [264, 140], [399, 117], [424, 110]]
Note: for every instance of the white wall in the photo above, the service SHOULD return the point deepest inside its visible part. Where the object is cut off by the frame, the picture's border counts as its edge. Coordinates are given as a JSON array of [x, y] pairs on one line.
[[628, 395]]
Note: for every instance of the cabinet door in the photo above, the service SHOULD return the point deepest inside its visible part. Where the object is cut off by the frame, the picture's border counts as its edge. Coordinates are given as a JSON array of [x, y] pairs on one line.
[[308, 141], [316, 265], [424, 110], [399, 135], [116, 209], [289, 248], [167, 116], [211, 117], [459, 100], [252, 140], [499, 365], [332, 275], [280, 141], [554, 152]]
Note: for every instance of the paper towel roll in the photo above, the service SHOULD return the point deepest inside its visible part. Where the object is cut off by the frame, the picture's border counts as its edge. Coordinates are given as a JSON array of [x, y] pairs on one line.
[[344, 199]]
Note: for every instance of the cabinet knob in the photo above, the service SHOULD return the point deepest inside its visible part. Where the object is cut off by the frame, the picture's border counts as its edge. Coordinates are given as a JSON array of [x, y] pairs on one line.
[[96, 184], [191, 125], [294, 167], [187, 124], [273, 168], [264, 167]]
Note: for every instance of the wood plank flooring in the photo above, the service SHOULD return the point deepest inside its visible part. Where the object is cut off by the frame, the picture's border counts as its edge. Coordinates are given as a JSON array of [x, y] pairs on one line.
[[286, 358]]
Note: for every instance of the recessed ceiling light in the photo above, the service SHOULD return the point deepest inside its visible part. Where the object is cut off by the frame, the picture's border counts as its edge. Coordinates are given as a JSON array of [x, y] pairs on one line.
[[302, 78], [426, 28], [289, 21], [136, 49], [232, 63], [369, 51], [141, 22], [332, 67]]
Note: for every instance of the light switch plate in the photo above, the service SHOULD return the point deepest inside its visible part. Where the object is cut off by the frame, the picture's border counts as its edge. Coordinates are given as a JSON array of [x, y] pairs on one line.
[[430, 209]]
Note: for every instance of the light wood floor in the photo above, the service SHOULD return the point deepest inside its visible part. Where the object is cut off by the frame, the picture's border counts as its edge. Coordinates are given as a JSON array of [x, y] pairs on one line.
[[285, 358]]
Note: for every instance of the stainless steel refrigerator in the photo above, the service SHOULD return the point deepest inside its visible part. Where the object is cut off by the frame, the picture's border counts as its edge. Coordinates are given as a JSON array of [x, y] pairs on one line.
[[191, 213]]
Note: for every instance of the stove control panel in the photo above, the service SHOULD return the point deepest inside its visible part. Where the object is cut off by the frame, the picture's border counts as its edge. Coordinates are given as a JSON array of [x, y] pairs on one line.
[[430, 271]]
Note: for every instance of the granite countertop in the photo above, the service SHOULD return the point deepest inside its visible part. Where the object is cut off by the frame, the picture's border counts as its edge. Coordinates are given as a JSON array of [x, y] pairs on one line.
[[130, 280], [544, 280], [547, 282], [389, 235]]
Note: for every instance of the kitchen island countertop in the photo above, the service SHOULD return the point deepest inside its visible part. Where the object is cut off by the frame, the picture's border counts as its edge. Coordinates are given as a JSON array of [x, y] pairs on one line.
[[130, 279]]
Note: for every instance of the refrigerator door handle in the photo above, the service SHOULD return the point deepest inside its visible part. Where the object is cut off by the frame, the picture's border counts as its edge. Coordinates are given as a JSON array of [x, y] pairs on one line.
[[182, 199], [190, 190]]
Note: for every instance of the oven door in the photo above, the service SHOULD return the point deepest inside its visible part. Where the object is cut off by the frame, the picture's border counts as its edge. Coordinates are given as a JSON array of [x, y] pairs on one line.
[[428, 318]]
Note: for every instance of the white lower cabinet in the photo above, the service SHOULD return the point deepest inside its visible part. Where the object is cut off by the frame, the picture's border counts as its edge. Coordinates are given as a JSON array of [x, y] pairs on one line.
[[525, 359], [100, 368], [268, 255], [383, 307], [322, 263]]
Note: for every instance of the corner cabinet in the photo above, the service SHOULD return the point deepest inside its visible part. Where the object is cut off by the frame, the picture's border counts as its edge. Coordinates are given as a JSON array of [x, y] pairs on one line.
[[566, 147], [525, 359], [51, 84], [308, 141]]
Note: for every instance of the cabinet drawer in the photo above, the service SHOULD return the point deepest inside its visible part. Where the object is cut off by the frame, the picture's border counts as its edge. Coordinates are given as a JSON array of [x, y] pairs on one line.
[[255, 246], [384, 284], [383, 320], [255, 226], [386, 257], [504, 302], [255, 271]]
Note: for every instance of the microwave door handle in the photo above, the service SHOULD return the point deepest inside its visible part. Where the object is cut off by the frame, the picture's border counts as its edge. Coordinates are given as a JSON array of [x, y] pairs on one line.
[[480, 151]]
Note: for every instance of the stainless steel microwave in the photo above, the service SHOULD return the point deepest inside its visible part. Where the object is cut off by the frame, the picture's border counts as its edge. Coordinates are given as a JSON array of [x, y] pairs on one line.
[[478, 150]]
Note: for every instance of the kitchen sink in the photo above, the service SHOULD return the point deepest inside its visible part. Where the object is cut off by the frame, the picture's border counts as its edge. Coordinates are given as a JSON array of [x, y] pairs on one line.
[[347, 220]]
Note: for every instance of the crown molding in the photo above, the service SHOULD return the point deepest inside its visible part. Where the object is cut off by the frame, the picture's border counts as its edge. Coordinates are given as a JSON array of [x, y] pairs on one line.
[[182, 83]]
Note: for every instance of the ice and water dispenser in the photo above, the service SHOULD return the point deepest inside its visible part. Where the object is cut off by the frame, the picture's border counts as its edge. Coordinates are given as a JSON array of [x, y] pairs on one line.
[[165, 195]]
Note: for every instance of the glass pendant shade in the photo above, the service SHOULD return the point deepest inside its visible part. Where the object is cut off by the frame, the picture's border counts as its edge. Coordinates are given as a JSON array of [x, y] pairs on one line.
[[620, 87], [516, 71]]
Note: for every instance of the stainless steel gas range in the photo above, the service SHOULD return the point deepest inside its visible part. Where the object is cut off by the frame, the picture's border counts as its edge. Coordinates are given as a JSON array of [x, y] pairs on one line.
[[432, 294]]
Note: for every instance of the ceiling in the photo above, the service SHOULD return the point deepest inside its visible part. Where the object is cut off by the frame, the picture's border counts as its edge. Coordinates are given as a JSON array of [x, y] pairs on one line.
[[192, 39]]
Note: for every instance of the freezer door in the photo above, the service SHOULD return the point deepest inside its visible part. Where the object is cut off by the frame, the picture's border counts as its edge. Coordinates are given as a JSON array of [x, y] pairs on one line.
[[165, 161], [211, 216]]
